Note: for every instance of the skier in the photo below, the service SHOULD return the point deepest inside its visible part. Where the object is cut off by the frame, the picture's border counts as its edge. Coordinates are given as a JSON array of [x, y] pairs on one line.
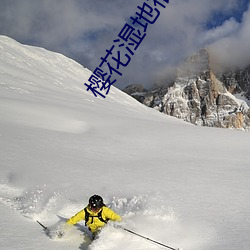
[[95, 214]]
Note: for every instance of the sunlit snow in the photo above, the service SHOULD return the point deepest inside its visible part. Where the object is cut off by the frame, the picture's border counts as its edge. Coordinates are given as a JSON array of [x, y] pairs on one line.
[[181, 185]]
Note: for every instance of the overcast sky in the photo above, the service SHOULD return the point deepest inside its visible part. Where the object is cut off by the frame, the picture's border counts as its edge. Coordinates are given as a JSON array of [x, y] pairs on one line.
[[84, 29]]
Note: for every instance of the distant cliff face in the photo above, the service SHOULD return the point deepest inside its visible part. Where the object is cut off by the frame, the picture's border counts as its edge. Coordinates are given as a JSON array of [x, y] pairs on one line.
[[237, 81], [201, 97]]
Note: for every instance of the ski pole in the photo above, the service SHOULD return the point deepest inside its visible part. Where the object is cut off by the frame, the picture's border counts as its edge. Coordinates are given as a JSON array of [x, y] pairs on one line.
[[146, 238], [45, 228]]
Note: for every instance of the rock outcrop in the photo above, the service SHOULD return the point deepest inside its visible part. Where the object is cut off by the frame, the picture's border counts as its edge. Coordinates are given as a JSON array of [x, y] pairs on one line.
[[201, 97]]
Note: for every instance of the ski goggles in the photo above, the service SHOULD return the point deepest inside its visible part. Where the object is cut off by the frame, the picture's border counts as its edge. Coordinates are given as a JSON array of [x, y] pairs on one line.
[[94, 208]]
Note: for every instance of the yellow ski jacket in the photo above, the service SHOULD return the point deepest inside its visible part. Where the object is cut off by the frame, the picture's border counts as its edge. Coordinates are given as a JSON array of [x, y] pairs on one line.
[[94, 223]]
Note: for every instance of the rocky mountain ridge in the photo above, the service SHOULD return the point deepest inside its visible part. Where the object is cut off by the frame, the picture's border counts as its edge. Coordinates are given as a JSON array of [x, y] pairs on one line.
[[200, 95]]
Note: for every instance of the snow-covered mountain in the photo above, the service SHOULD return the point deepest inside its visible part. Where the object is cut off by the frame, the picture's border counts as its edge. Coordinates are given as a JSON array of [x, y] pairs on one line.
[[182, 185], [237, 81], [201, 96]]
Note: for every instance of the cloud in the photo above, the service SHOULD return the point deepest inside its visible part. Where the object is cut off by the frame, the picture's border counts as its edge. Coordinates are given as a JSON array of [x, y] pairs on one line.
[[233, 49], [229, 27], [85, 29]]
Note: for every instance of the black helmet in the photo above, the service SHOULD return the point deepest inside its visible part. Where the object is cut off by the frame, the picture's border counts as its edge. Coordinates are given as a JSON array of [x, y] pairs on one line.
[[96, 202]]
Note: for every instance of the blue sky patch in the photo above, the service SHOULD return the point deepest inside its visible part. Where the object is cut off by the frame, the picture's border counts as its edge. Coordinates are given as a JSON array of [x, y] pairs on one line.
[[219, 17]]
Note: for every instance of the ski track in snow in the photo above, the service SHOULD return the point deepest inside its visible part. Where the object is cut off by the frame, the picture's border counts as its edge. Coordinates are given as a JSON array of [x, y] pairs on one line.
[[43, 117]]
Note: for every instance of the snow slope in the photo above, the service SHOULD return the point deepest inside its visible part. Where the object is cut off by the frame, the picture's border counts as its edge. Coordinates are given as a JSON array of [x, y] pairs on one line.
[[179, 184]]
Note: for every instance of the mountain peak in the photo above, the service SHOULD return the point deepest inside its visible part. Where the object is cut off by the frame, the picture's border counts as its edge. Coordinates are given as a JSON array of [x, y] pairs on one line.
[[200, 96], [197, 64]]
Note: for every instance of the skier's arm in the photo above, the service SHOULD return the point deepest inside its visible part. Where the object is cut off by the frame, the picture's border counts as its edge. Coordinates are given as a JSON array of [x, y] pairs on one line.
[[110, 214], [77, 217]]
